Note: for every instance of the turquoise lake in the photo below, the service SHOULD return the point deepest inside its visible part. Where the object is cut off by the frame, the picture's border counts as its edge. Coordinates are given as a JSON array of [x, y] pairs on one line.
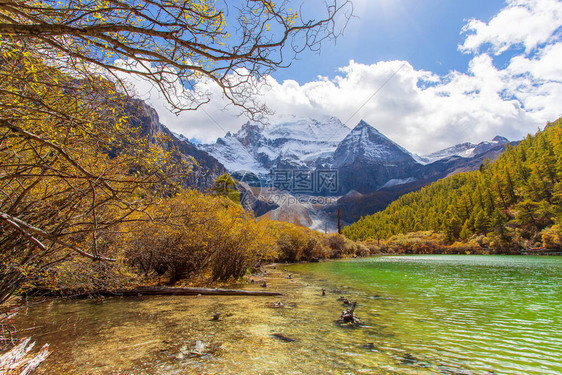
[[421, 315]]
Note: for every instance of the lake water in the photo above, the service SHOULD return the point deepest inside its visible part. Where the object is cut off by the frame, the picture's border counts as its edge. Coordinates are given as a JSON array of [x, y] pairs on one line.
[[421, 315]]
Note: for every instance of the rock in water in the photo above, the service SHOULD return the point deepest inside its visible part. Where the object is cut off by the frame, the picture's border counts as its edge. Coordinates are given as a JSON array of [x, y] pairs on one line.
[[216, 316], [282, 337]]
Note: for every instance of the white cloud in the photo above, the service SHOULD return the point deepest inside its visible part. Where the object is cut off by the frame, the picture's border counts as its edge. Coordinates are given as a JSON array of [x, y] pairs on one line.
[[526, 23], [418, 109], [546, 66]]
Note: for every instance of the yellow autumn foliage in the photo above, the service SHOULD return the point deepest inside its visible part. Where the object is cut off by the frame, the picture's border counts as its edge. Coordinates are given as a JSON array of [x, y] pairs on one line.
[[71, 167], [194, 234]]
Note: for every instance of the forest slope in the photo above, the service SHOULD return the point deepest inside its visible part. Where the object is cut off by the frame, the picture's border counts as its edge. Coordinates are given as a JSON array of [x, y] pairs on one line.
[[512, 203]]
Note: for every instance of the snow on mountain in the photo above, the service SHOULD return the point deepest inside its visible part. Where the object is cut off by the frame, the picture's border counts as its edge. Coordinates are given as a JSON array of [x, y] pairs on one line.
[[365, 159], [324, 129], [180, 137], [464, 150], [488, 145], [234, 155], [396, 182], [365, 143], [293, 142]]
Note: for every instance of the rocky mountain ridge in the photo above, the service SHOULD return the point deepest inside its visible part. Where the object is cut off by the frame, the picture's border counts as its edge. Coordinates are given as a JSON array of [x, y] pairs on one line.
[[204, 167], [292, 143], [365, 159]]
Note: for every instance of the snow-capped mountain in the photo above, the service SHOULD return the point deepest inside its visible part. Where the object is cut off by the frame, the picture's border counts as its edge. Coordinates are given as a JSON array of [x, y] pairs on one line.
[[365, 159], [371, 170], [232, 153], [292, 143], [486, 146], [366, 144], [464, 150]]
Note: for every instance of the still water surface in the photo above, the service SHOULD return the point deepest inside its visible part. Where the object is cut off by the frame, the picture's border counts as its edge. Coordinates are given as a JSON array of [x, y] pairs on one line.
[[421, 315]]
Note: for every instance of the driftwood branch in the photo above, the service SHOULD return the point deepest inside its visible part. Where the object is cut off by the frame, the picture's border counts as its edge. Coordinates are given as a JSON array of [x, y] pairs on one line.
[[18, 360], [167, 291], [348, 316]]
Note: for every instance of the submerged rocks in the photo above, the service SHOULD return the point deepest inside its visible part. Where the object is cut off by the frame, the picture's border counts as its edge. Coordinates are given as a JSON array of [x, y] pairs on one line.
[[276, 305], [370, 346], [281, 305], [345, 301], [198, 349]]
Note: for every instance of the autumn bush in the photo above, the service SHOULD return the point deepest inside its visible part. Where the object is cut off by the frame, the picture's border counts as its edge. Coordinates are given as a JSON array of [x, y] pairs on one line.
[[552, 237], [497, 243], [415, 243], [341, 247], [464, 248], [192, 236], [296, 243], [195, 233], [78, 275], [373, 247]]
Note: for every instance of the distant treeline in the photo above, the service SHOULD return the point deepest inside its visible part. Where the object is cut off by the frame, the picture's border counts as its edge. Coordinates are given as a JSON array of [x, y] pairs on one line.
[[510, 204]]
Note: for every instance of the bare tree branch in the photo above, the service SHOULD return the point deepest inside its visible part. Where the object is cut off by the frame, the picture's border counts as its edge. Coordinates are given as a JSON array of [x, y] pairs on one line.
[[174, 42], [29, 231]]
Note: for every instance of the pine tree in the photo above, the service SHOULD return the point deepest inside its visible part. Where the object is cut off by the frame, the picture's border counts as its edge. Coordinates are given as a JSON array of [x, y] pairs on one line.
[[225, 186]]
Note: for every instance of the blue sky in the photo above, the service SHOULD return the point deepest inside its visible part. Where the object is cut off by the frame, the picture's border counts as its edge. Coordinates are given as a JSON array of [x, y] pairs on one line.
[[424, 32], [428, 74]]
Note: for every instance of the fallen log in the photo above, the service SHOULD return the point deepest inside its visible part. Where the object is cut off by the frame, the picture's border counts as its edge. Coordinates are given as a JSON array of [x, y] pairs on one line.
[[159, 291], [170, 291]]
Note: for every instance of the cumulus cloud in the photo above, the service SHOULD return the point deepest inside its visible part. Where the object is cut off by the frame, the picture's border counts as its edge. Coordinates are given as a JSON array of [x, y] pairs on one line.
[[421, 110], [526, 23]]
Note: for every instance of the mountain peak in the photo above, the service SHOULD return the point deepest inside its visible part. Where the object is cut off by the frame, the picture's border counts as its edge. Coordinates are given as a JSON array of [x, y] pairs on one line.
[[500, 139], [366, 144], [295, 142], [465, 150], [248, 127], [365, 125], [362, 124], [369, 131]]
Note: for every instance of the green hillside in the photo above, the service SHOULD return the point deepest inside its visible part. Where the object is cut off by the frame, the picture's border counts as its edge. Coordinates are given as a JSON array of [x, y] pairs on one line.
[[514, 202]]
